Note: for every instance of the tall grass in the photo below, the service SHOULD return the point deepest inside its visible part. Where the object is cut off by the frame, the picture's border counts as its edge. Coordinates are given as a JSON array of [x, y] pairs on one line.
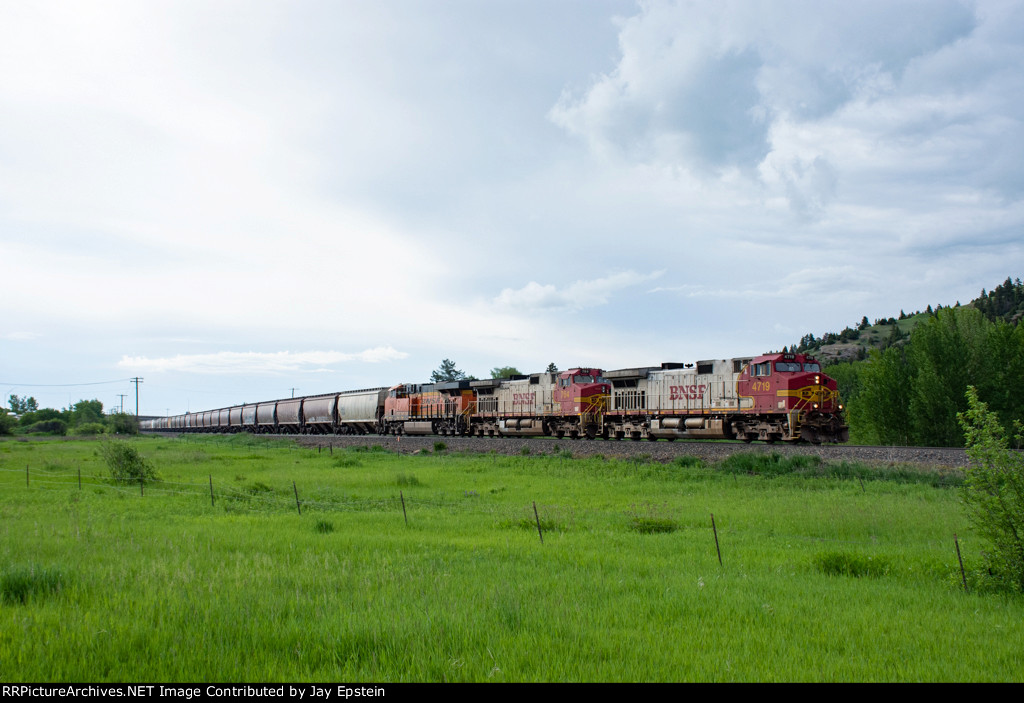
[[824, 578]]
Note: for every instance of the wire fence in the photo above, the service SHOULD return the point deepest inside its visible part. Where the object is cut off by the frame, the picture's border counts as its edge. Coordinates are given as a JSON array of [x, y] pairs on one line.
[[646, 517]]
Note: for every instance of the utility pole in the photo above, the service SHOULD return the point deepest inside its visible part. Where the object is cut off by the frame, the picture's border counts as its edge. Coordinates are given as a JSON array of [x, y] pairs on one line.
[[293, 391], [136, 381], [121, 396]]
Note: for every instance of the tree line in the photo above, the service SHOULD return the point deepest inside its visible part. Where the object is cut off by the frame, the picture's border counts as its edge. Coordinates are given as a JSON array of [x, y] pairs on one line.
[[85, 417], [448, 371], [911, 393]]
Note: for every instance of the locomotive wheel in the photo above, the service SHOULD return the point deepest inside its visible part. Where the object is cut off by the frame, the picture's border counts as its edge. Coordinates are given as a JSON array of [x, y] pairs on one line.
[[635, 436], [619, 435], [560, 434], [652, 438]]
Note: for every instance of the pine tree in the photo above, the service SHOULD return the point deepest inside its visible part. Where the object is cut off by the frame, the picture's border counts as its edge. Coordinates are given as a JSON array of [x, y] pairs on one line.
[[447, 372]]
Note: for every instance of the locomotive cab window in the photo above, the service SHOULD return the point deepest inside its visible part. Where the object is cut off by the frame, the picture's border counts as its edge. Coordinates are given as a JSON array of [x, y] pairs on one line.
[[812, 368], [786, 366], [763, 369]]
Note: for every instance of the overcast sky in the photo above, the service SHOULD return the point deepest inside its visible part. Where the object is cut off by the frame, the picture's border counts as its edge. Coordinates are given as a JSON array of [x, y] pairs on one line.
[[235, 199]]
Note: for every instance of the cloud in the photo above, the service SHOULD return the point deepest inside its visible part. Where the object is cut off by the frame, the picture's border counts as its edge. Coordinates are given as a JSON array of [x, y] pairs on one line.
[[257, 362], [579, 295], [816, 103], [827, 281], [20, 336]]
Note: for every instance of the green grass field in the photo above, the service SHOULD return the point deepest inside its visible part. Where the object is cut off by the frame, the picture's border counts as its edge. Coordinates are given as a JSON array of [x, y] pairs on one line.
[[826, 577]]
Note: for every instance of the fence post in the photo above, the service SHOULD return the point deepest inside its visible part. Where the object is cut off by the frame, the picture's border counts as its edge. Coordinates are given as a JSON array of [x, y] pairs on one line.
[[715, 530], [406, 516], [963, 576], [537, 518], [211, 490], [297, 506]]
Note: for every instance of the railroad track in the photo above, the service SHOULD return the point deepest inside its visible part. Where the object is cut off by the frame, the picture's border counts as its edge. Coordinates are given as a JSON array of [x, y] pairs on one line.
[[659, 451]]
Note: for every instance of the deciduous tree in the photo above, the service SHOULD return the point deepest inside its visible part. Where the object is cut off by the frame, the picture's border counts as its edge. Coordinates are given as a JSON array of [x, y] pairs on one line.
[[994, 490]]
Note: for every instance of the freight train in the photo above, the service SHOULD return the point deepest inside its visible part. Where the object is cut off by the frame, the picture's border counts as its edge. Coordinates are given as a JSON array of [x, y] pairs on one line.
[[768, 398]]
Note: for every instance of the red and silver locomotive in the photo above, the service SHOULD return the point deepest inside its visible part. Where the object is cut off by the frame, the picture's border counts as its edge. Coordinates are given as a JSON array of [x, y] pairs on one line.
[[772, 397]]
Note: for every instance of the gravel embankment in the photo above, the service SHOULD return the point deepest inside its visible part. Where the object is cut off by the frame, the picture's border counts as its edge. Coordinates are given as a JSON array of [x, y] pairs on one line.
[[659, 451]]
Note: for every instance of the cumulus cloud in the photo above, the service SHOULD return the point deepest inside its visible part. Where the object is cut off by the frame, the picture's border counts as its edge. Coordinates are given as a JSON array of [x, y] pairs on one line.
[[576, 296], [818, 104], [257, 362]]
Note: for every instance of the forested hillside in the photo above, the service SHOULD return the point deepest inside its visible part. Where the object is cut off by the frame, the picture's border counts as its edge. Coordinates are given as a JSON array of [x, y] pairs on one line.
[[907, 387]]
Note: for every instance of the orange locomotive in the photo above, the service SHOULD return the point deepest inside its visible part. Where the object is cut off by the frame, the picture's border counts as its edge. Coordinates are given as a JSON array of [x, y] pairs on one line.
[[558, 404]]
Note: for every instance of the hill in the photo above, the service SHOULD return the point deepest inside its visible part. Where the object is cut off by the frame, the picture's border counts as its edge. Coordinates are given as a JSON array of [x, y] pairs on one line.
[[1004, 303]]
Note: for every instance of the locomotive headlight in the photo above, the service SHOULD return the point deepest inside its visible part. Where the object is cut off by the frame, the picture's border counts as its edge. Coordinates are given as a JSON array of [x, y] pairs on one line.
[[815, 406], [840, 406], [817, 379]]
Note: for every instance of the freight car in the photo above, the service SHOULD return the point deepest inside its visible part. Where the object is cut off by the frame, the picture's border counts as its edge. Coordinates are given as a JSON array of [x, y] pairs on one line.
[[773, 397]]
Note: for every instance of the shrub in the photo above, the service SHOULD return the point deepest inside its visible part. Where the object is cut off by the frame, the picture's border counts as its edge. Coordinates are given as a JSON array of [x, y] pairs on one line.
[[125, 462], [259, 488], [650, 518], [846, 564], [688, 461], [773, 464], [122, 423], [440, 446], [993, 490], [88, 428], [57, 427], [18, 584], [7, 422]]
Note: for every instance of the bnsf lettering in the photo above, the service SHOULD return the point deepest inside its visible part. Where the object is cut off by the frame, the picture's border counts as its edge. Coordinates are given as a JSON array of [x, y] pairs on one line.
[[691, 392], [524, 398]]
